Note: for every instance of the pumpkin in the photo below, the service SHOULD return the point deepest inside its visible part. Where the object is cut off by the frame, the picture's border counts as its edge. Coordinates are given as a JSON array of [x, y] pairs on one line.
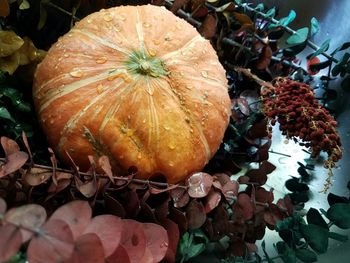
[[137, 84]]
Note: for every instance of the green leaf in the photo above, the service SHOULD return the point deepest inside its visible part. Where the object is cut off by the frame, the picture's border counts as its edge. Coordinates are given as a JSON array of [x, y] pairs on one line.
[[42, 17], [339, 237], [285, 21], [316, 236], [315, 27], [271, 12], [299, 37], [286, 253], [260, 7], [340, 66], [238, 2], [4, 114], [195, 250], [322, 65], [306, 255], [323, 48], [339, 214], [344, 46], [345, 84], [314, 217]]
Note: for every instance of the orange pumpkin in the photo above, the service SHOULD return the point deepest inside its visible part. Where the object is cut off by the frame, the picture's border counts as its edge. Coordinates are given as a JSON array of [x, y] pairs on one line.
[[137, 84]]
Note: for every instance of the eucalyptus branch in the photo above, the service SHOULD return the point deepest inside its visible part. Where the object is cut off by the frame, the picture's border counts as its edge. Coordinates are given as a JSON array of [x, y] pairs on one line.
[[62, 10], [287, 29]]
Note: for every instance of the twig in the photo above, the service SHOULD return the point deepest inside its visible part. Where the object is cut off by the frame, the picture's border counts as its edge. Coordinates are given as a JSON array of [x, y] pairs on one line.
[[283, 154], [62, 10]]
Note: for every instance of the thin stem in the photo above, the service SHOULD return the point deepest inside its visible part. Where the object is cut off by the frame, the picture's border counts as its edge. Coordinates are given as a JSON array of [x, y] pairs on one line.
[[62, 10], [283, 154]]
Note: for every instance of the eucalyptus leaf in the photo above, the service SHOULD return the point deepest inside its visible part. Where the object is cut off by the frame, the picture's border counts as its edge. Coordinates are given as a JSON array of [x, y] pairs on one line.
[[344, 46], [339, 237], [299, 37], [315, 26], [4, 114], [260, 7], [314, 217], [306, 255], [339, 214], [286, 253], [195, 250], [322, 65], [340, 66], [316, 237], [271, 12], [323, 48], [285, 21], [345, 84]]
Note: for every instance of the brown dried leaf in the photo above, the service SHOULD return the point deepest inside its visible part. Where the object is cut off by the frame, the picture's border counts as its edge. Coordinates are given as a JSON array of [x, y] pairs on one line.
[[286, 204], [212, 200], [173, 236], [257, 176], [30, 216], [36, 176], [113, 206], [133, 240], [109, 229], [179, 218], [4, 8], [14, 162], [273, 214], [119, 255], [263, 196], [267, 167], [77, 214], [243, 179], [54, 243], [10, 146], [229, 7], [88, 249], [244, 20], [104, 163], [10, 242], [208, 27], [156, 240], [177, 5], [180, 197], [195, 214], [199, 184], [88, 188], [264, 58]]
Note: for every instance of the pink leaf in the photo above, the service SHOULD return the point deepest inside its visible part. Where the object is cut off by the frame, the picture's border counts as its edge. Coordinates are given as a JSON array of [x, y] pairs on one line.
[[54, 243], [199, 184], [212, 200], [133, 240], [195, 214], [36, 176], [104, 163], [29, 216], [180, 197], [88, 249], [109, 229], [77, 214], [14, 162], [88, 188], [3, 207], [156, 240], [9, 146], [119, 255], [10, 241]]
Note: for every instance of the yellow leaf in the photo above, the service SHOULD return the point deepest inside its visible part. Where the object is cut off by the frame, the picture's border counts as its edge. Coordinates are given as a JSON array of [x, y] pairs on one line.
[[9, 43], [10, 63]]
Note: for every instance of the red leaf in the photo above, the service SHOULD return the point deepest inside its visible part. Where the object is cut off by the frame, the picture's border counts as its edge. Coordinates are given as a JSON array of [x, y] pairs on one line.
[[88, 249], [133, 240], [29, 216], [179, 218], [77, 214], [104, 163], [243, 179], [230, 189], [257, 176], [9, 146], [238, 247], [119, 255], [263, 196], [14, 162], [244, 202], [199, 184], [273, 215], [208, 27], [195, 214], [286, 204], [180, 197], [10, 241], [53, 243], [242, 105], [267, 167], [173, 236], [36, 176], [4, 8], [156, 240], [177, 5], [311, 62], [212, 200], [109, 229], [3, 207]]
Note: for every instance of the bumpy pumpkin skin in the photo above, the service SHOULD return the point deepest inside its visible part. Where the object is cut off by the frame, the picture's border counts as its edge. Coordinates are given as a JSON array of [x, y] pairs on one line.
[[137, 84]]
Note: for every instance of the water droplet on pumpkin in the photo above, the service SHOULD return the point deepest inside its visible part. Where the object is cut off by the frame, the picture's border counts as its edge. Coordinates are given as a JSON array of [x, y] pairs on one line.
[[51, 121], [89, 21], [76, 74], [191, 130], [166, 128], [122, 17], [204, 73], [139, 156], [152, 52], [108, 17], [189, 87], [66, 55], [204, 51], [101, 60], [144, 121], [182, 74], [99, 88], [171, 163], [70, 35], [121, 156], [146, 25], [172, 146]]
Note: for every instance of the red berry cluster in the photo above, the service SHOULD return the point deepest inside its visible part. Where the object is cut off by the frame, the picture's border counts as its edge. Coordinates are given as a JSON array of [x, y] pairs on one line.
[[302, 118]]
